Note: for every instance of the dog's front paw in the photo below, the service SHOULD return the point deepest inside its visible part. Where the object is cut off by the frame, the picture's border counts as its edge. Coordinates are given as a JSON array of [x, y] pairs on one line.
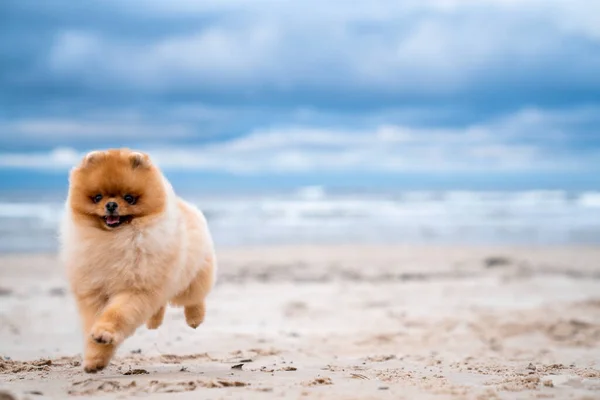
[[105, 334]]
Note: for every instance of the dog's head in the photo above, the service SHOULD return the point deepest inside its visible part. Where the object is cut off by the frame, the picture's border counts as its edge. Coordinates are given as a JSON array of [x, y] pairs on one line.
[[112, 188]]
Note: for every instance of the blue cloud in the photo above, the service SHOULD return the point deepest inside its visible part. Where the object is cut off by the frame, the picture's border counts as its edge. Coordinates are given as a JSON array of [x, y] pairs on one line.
[[372, 55], [207, 75]]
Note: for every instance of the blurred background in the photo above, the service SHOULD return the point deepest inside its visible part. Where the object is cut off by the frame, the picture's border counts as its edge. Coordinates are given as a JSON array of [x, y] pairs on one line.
[[439, 121]]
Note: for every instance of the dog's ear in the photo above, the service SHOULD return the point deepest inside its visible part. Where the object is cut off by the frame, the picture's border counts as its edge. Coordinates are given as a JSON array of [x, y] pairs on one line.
[[139, 160], [92, 157]]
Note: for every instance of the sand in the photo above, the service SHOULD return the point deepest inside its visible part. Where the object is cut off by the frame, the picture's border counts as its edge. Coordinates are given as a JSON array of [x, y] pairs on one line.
[[334, 322]]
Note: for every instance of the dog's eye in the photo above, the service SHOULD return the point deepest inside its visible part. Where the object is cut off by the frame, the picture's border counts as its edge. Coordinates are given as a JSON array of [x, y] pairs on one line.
[[97, 198], [129, 198]]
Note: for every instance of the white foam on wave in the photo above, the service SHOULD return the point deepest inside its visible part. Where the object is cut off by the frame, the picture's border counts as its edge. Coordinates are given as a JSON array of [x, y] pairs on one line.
[[525, 198], [48, 213], [313, 214], [590, 199]]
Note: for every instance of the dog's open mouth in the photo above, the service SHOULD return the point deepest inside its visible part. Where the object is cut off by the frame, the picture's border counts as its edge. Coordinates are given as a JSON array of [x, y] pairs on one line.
[[112, 221]]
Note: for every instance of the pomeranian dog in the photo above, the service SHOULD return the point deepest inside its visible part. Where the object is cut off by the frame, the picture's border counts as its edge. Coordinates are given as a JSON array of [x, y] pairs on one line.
[[130, 247]]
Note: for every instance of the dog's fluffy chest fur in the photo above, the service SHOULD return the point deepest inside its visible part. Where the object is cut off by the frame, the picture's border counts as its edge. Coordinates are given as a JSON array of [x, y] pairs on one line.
[[129, 258]]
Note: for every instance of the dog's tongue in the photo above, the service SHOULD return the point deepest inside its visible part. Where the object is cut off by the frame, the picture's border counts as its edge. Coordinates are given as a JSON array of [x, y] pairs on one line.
[[112, 219]]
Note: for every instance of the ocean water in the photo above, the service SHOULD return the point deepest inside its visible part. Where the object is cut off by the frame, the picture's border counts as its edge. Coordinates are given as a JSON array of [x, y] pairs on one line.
[[315, 215]]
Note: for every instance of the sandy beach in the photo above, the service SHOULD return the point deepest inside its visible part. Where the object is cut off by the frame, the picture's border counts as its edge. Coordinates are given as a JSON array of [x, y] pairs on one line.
[[335, 322]]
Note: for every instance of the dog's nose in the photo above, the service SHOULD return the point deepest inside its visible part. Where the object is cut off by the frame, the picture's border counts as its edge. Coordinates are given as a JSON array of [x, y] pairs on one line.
[[111, 206]]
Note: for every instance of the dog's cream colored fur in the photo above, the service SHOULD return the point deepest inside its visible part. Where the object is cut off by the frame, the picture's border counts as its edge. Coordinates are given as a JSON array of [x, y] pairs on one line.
[[126, 276]]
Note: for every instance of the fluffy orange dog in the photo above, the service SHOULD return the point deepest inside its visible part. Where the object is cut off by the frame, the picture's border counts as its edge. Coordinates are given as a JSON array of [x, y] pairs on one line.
[[131, 246]]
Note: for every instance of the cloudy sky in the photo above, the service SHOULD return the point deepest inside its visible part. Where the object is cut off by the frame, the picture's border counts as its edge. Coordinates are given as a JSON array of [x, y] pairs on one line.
[[473, 93]]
